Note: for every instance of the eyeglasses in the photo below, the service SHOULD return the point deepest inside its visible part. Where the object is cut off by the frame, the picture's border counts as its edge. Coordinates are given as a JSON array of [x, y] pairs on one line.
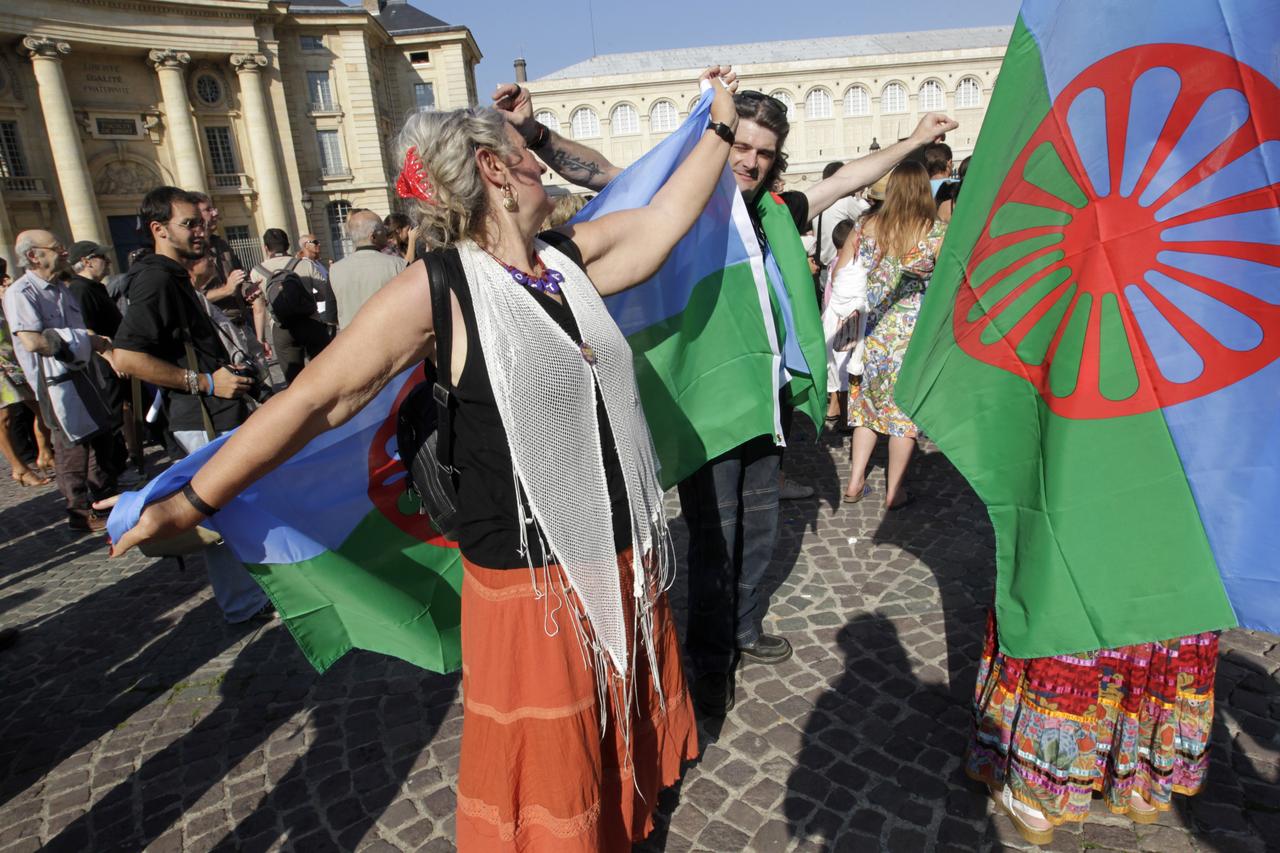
[[311, 242], [56, 247]]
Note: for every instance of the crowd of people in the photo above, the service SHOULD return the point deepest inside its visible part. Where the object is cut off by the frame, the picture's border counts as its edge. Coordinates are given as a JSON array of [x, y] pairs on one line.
[[568, 735]]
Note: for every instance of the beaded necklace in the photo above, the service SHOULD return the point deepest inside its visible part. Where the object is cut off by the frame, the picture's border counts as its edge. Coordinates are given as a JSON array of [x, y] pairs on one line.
[[549, 282]]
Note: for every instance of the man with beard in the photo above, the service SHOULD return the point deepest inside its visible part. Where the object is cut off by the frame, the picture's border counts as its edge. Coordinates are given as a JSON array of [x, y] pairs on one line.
[[168, 339], [54, 347]]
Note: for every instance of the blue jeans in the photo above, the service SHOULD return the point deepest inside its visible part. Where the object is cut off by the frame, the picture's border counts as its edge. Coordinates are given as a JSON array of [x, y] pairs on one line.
[[235, 590], [731, 507]]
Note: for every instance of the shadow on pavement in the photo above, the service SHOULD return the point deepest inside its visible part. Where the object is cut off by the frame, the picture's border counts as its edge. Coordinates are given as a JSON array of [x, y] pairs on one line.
[[326, 785], [85, 669], [879, 751]]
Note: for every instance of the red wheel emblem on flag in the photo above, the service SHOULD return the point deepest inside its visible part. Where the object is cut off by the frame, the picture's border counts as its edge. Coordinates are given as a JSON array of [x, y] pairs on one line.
[[387, 483], [1131, 259]]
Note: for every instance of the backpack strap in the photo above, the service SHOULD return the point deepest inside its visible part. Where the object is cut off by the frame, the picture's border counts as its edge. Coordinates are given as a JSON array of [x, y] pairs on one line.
[[293, 264], [442, 321], [564, 244]]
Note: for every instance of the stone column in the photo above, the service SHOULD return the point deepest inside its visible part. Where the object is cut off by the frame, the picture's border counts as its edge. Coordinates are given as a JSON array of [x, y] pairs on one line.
[[64, 139], [181, 125], [262, 149], [6, 239]]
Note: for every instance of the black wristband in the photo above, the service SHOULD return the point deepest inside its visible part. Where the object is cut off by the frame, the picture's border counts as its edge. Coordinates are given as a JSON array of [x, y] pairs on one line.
[[722, 130], [540, 138], [198, 502]]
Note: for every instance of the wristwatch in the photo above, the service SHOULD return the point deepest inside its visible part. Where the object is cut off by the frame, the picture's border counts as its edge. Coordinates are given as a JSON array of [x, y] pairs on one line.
[[540, 138], [722, 130]]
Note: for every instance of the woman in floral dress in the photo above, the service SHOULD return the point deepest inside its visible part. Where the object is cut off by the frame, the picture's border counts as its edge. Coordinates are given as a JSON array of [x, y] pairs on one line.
[[14, 391], [899, 245]]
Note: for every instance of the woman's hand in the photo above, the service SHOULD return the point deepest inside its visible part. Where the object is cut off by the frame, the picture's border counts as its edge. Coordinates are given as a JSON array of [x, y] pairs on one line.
[[160, 520], [722, 108]]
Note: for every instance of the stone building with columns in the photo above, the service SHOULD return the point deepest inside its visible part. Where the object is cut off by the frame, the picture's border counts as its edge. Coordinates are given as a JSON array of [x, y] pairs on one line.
[[284, 111], [845, 94]]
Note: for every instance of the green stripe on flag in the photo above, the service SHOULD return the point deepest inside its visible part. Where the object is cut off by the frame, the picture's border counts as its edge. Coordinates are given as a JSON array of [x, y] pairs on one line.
[[1098, 540], [705, 375], [382, 590]]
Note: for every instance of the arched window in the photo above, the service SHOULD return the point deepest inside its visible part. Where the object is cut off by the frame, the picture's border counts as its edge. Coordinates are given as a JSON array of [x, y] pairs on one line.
[[624, 121], [547, 119], [787, 101], [337, 212], [663, 117], [857, 101], [931, 97], [968, 93], [894, 98], [817, 104], [585, 123]]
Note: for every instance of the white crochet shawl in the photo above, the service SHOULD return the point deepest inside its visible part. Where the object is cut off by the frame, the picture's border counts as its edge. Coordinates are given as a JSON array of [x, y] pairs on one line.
[[545, 388]]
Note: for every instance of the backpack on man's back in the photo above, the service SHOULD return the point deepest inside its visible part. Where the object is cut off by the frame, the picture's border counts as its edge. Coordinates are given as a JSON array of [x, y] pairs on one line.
[[288, 298]]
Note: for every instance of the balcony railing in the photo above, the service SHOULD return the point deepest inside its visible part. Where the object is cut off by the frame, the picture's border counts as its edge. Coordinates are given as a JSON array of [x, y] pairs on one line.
[[235, 182], [23, 184]]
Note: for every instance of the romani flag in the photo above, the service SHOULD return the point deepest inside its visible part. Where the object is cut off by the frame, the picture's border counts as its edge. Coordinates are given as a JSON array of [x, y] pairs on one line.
[[722, 338], [337, 543], [1097, 352]]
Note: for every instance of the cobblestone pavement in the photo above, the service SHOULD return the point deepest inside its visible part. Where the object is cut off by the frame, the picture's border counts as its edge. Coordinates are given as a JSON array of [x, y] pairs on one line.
[[133, 718]]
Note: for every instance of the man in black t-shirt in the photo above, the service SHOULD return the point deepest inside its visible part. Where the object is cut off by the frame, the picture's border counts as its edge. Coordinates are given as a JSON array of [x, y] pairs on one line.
[[168, 339], [730, 503]]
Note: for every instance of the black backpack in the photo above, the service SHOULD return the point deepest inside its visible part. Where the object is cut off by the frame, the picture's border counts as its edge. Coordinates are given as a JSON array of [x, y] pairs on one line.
[[424, 421], [288, 299]]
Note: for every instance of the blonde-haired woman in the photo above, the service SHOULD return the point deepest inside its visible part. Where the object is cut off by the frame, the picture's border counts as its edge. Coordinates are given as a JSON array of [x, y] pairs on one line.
[[575, 708], [899, 243]]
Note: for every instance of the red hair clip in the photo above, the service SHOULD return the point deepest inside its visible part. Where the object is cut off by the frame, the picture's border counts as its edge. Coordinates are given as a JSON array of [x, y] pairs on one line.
[[414, 182]]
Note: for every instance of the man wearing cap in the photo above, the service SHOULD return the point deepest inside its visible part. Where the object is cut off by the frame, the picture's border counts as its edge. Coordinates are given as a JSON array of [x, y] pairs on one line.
[[90, 264], [731, 503], [55, 348]]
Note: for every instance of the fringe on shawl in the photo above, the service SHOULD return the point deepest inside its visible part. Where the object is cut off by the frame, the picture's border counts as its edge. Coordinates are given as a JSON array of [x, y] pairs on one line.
[[653, 554]]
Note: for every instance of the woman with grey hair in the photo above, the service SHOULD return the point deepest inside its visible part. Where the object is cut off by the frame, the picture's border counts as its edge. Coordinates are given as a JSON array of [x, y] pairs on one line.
[[575, 707]]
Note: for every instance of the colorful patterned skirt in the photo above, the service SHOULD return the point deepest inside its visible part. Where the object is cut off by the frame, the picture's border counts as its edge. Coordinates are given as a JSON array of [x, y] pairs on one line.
[[538, 770], [1114, 721]]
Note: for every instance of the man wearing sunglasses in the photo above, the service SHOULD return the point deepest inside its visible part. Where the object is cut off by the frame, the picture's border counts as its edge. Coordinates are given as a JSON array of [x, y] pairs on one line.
[[731, 503]]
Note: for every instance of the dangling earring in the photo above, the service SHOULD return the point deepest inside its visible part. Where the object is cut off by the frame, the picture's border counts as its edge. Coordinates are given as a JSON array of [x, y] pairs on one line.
[[509, 202]]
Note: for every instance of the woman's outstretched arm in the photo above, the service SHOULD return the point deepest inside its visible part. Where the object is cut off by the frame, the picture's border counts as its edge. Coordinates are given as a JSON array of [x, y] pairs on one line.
[[625, 248], [392, 332]]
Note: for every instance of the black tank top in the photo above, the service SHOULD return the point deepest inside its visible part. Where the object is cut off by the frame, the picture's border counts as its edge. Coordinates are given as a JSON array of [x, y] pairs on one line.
[[489, 526]]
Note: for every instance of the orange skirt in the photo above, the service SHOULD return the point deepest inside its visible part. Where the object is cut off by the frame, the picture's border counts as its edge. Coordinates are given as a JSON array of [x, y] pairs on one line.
[[536, 773]]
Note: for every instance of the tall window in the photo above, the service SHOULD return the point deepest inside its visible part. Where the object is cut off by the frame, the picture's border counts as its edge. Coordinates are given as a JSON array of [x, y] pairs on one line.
[[931, 97], [663, 117], [894, 98], [547, 119], [585, 123], [624, 120], [817, 104], [968, 93], [424, 96], [337, 212], [321, 90], [330, 153], [222, 155], [857, 101], [787, 101], [12, 163]]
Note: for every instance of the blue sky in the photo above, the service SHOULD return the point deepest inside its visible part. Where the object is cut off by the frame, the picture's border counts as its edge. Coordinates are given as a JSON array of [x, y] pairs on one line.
[[553, 35]]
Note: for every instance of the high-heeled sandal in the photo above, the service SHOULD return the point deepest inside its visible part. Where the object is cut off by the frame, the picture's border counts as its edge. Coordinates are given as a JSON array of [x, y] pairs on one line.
[[1141, 811], [1018, 811]]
